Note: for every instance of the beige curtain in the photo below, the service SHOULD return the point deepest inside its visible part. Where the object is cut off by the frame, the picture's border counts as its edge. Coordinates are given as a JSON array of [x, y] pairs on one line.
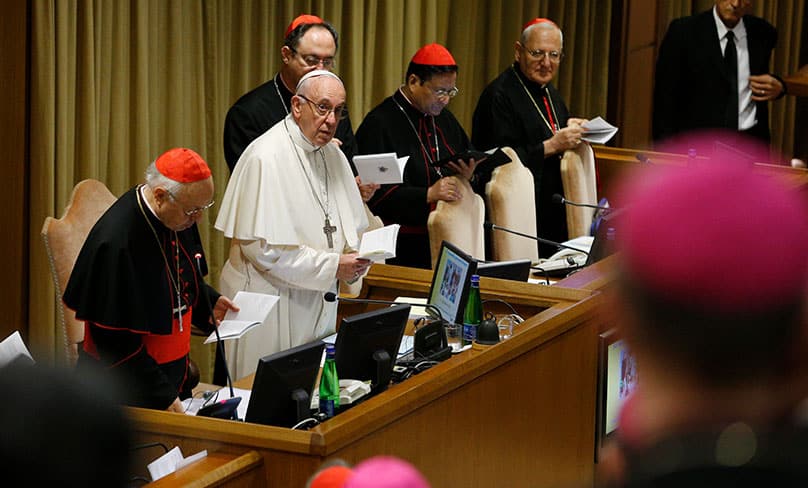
[[788, 16], [115, 83]]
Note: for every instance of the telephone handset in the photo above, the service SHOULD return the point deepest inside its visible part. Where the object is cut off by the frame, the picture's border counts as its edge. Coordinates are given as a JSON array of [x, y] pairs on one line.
[[565, 259]]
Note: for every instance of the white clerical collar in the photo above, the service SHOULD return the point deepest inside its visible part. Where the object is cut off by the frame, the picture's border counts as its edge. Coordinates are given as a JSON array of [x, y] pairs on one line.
[[400, 90], [297, 135], [739, 31]]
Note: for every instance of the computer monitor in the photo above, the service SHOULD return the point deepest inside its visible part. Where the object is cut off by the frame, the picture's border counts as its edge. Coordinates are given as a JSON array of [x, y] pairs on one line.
[[281, 393], [617, 378], [450, 282], [516, 270], [367, 345], [606, 233]]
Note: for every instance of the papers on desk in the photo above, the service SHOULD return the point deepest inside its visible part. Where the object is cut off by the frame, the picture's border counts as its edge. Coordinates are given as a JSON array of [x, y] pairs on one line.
[[12, 348], [383, 168], [172, 461], [598, 131], [379, 244], [254, 310]]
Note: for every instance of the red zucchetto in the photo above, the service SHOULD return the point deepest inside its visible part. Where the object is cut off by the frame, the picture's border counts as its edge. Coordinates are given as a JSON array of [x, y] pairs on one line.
[[182, 165], [302, 19], [331, 477], [539, 20], [716, 235], [434, 55]]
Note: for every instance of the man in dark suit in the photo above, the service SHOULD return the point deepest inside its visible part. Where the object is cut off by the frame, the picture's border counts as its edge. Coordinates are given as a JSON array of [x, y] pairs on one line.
[[699, 86]]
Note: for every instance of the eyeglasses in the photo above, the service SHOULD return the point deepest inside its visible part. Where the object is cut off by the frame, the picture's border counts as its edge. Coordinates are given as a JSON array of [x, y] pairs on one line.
[[312, 61], [539, 55], [194, 211], [324, 110], [443, 92]]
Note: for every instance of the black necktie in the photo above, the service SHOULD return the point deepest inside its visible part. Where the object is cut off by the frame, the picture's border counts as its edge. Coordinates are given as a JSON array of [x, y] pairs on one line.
[[731, 67]]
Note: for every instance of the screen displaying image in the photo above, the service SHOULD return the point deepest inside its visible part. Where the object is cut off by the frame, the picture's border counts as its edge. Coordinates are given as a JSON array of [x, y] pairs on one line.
[[620, 382], [449, 282]]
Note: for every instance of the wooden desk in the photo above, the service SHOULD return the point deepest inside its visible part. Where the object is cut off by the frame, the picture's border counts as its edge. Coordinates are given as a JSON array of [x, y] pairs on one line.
[[520, 413], [217, 469], [614, 162], [797, 84]]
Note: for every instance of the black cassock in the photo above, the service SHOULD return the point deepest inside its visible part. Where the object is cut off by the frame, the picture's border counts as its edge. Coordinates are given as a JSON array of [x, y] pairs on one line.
[[386, 128], [121, 286], [507, 116], [258, 110]]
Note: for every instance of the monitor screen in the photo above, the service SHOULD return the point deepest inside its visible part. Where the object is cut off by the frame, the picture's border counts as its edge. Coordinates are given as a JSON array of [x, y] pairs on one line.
[[450, 282], [617, 380], [367, 345], [283, 384]]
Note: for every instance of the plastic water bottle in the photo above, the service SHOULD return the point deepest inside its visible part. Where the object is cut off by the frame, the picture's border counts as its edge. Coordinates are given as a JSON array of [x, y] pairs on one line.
[[329, 384], [473, 313]]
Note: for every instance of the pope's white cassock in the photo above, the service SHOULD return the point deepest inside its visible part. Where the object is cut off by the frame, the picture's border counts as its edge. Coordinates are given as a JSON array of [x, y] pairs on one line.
[[274, 209]]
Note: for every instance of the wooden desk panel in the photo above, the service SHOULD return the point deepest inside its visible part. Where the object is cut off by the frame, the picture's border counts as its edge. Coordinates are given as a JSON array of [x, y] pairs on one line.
[[520, 413]]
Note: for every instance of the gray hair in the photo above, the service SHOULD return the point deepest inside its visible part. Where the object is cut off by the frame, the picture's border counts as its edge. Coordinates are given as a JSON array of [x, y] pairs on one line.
[[155, 179], [541, 25]]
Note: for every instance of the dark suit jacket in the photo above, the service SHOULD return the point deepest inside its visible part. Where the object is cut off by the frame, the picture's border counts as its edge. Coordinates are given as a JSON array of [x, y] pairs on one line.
[[691, 89]]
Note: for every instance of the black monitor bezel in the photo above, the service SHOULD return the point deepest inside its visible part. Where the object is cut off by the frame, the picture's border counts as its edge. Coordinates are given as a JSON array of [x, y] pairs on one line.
[[270, 386], [472, 269], [354, 356], [514, 270]]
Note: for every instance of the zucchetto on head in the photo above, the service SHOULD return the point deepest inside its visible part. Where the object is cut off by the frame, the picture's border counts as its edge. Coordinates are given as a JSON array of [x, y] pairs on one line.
[[434, 55], [717, 234], [182, 165], [302, 19]]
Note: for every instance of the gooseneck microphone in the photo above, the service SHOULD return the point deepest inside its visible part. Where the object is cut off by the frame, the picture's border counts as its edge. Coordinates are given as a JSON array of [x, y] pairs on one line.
[[219, 346], [333, 297], [557, 198], [558, 245]]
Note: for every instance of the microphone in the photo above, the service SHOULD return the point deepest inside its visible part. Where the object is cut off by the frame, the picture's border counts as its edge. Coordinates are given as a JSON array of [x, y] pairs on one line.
[[641, 157], [333, 297], [430, 341], [563, 201], [219, 346], [492, 226]]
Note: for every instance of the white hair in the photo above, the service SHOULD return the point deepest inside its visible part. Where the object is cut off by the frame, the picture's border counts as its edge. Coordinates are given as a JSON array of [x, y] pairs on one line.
[[155, 179]]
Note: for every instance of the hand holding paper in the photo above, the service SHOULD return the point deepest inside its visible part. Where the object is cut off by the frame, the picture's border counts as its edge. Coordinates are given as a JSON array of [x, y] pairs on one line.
[[598, 131], [253, 310], [379, 244]]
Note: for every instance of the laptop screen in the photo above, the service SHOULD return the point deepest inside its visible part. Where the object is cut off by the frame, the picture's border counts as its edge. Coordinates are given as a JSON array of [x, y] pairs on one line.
[[450, 282]]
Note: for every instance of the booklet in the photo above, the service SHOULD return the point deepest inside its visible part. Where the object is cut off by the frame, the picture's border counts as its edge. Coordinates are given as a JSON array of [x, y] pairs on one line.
[[384, 168], [254, 310], [598, 131], [12, 348], [379, 244]]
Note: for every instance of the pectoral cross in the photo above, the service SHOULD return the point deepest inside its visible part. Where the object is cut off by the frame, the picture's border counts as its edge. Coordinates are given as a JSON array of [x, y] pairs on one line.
[[329, 230], [178, 311]]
